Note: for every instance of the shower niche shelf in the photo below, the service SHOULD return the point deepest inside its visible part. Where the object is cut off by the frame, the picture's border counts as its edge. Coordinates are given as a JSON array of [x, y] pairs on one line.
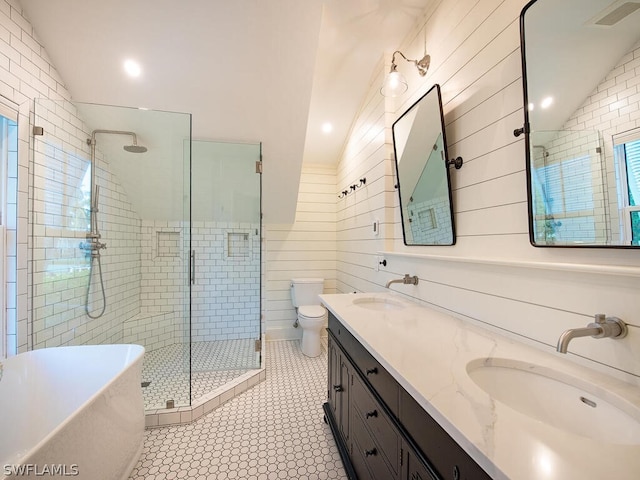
[[167, 244]]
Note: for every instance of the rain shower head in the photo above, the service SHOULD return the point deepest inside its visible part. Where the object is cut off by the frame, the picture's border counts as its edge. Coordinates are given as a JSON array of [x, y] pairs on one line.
[[135, 148]]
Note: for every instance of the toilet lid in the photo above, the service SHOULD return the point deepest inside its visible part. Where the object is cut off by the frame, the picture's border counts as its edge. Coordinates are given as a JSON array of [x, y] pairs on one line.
[[311, 311]]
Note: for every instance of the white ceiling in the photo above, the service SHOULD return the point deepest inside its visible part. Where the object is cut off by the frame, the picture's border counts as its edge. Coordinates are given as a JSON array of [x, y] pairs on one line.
[[270, 71]]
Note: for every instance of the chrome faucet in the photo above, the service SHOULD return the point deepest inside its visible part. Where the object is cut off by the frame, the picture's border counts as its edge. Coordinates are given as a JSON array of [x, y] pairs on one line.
[[603, 327], [407, 280]]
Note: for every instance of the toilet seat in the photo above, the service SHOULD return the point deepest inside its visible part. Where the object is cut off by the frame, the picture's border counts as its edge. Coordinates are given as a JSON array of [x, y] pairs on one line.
[[312, 311]]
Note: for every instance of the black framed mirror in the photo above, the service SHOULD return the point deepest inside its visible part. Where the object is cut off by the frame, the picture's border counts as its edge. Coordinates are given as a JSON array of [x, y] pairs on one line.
[[581, 77], [422, 174]]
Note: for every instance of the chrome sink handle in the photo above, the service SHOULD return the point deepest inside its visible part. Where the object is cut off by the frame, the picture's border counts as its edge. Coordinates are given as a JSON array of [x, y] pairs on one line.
[[611, 327], [407, 280]]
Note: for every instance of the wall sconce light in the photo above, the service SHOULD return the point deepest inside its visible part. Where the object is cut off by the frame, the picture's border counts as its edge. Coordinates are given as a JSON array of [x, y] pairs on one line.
[[394, 83]]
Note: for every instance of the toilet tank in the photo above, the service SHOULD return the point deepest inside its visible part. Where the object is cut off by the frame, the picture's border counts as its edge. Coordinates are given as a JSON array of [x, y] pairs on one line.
[[305, 291]]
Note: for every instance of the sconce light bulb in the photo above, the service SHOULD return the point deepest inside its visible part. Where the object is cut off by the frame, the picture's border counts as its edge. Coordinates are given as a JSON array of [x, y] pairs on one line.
[[394, 84]]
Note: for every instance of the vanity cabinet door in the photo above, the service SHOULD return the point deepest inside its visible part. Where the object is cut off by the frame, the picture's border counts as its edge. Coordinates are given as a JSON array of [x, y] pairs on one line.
[[415, 469], [343, 396], [333, 377], [339, 378]]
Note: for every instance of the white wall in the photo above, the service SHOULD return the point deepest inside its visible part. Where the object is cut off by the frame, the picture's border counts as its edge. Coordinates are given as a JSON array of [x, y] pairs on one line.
[[307, 248], [492, 275]]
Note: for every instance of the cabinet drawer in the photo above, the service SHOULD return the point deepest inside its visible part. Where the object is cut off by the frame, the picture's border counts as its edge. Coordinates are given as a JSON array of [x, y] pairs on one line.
[[341, 334], [381, 380], [377, 423], [447, 457], [366, 454]]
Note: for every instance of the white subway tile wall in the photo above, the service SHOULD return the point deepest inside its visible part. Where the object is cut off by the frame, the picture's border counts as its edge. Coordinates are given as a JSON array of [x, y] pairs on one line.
[[430, 221], [225, 302], [26, 73], [60, 222]]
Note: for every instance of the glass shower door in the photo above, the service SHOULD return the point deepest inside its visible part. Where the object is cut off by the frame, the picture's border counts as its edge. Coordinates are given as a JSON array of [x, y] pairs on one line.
[[138, 290], [225, 234]]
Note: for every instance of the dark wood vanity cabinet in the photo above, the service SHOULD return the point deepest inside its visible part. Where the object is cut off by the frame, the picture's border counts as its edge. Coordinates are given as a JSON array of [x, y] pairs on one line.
[[382, 433], [339, 380]]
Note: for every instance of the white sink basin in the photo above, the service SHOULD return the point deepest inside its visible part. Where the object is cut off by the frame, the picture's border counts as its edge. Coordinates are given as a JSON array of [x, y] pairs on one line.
[[377, 303], [557, 399]]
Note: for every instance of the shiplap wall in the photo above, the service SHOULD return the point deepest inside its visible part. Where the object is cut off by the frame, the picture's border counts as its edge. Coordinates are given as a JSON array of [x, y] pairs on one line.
[[306, 248], [493, 275]]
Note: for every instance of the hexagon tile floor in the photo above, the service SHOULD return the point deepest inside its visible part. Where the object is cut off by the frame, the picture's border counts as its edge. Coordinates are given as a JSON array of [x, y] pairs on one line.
[[213, 364], [275, 430]]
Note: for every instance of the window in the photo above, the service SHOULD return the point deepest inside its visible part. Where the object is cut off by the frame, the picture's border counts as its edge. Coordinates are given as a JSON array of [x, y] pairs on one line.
[[627, 154], [566, 211], [8, 220]]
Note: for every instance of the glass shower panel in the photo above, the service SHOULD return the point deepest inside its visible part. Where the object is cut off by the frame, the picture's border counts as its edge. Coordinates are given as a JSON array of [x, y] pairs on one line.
[[226, 232], [136, 290], [59, 222]]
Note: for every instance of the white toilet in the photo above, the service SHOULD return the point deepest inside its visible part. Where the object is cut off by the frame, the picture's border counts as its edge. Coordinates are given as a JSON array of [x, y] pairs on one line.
[[311, 315]]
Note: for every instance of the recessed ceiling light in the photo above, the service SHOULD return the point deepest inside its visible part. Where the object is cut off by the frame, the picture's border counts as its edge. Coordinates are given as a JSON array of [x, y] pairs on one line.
[[327, 127], [132, 68], [546, 103]]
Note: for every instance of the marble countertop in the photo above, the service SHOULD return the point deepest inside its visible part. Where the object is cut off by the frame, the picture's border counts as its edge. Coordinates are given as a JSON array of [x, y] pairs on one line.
[[428, 353]]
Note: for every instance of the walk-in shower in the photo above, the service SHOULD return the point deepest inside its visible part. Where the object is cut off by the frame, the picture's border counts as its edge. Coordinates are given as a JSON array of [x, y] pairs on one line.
[[93, 245], [114, 236]]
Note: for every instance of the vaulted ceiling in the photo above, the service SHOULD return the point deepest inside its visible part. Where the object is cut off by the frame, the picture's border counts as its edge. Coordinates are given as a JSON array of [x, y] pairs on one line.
[[270, 71]]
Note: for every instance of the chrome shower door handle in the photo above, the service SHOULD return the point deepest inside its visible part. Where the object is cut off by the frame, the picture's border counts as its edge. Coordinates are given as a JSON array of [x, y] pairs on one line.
[[193, 267]]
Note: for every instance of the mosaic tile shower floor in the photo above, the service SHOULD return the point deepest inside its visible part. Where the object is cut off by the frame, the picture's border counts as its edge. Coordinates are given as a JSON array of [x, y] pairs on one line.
[[275, 430], [214, 364]]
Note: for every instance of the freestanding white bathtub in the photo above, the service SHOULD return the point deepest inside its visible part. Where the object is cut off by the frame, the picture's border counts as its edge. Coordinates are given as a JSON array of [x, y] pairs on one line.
[[75, 411]]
